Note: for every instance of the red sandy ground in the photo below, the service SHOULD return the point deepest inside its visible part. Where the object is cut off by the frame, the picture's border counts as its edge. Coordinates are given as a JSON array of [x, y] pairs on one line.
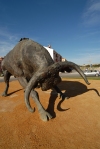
[[76, 122]]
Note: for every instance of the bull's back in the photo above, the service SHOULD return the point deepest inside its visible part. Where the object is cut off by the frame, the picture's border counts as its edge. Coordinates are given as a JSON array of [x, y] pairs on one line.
[[27, 53]]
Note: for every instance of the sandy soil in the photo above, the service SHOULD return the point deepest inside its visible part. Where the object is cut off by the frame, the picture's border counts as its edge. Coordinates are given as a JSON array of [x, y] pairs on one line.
[[75, 123]]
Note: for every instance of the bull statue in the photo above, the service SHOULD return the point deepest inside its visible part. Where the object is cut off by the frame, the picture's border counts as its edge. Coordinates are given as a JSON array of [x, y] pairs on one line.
[[32, 65]]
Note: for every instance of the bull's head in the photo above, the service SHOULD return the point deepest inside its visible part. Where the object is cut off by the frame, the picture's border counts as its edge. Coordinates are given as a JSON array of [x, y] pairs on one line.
[[50, 77]]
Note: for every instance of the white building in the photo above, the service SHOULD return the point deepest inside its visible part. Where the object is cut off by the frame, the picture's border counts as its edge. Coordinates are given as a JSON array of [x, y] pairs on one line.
[[55, 56]]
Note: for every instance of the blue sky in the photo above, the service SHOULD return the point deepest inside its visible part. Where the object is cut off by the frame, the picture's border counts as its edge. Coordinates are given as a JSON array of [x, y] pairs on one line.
[[72, 27]]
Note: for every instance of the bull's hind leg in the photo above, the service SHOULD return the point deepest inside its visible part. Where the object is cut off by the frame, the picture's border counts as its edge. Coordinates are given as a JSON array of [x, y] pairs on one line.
[[6, 79], [44, 115]]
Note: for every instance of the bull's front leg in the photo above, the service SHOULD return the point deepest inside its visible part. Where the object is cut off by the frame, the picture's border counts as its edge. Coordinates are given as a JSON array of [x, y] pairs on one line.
[[60, 94], [44, 115], [6, 79]]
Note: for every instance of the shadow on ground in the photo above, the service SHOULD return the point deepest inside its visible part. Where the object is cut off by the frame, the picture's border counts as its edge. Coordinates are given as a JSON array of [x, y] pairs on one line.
[[14, 92], [72, 89]]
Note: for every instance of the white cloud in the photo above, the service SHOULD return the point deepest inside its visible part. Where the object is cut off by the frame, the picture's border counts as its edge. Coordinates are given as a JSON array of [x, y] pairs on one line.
[[8, 36], [7, 41], [5, 47], [91, 15]]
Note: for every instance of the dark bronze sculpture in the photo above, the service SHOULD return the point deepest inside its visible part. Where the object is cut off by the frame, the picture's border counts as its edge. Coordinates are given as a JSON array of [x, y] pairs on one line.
[[32, 65]]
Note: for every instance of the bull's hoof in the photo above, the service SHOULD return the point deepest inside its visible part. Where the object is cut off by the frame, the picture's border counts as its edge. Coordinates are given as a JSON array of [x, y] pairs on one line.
[[4, 94], [45, 116], [62, 96]]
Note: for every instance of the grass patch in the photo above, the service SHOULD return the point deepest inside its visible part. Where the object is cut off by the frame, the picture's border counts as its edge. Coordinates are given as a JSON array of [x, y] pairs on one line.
[[93, 78], [89, 78]]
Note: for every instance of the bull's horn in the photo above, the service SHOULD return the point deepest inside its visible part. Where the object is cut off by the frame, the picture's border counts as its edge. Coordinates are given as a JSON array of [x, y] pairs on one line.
[[76, 67], [63, 66], [31, 85]]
